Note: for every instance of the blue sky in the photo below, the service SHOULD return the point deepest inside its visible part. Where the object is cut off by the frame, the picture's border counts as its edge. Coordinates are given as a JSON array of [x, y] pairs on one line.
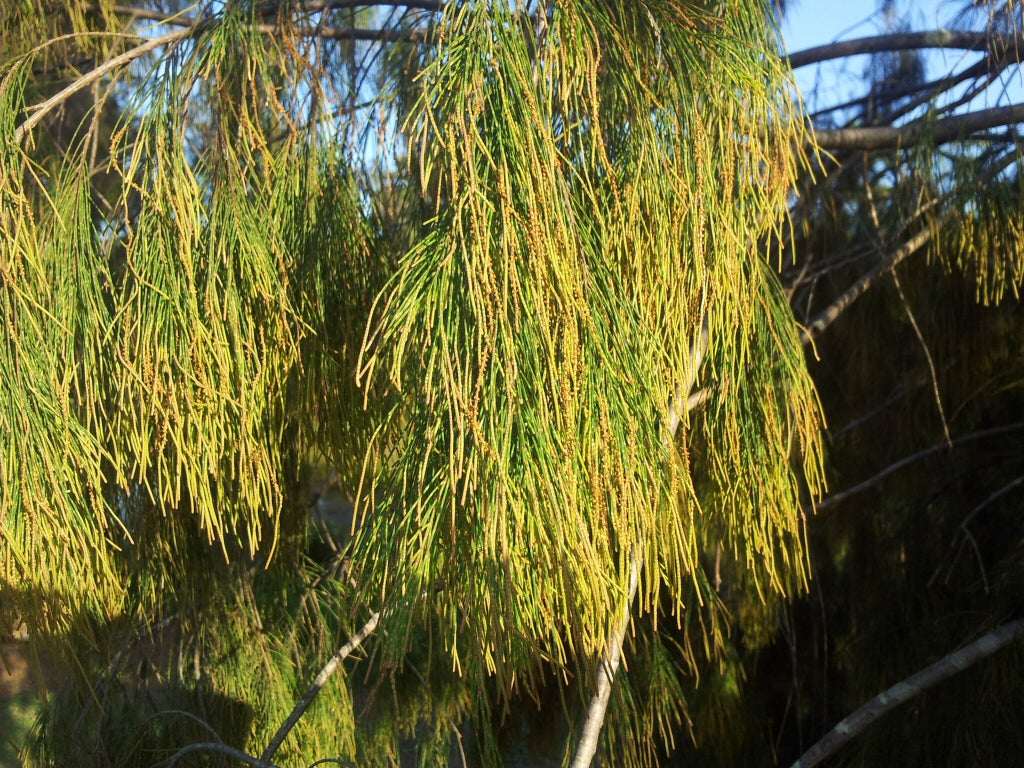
[[809, 23], [817, 22]]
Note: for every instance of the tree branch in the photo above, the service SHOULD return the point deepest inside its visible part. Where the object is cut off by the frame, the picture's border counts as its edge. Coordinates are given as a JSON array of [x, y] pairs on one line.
[[855, 291], [213, 746], [940, 131], [587, 746], [314, 689], [612, 656], [92, 76], [938, 38], [323, 6], [971, 436], [357, 33], [313, 6], [854, 724]]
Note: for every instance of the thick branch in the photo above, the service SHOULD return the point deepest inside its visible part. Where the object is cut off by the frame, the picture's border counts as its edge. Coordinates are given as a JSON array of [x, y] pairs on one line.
[[938, 38], [938, 131], [314, 689], [587, 746], [958, 661]]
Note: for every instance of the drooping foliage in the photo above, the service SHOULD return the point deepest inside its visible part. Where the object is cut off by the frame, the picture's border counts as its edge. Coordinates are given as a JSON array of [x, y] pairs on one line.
[[917, 551], [501, 268], [478, 263], [590, 229]]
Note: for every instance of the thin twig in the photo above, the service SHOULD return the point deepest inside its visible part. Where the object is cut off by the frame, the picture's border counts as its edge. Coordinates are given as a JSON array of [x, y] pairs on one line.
[[854, 724], [962, 528], [927, 355], [906, 304], [314, 689], [212, 746], [843, 495]]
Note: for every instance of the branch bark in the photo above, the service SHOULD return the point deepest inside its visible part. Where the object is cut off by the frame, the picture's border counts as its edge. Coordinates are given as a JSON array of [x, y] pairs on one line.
[[855, 291], [92, 76], [854, 724], [939, 131], [985, 433], [938, 38], [314, 689], [587, 746]]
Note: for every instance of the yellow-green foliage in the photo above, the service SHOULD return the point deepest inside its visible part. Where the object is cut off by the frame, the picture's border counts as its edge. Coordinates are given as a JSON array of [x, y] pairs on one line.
[[599, 197], [599, 179]]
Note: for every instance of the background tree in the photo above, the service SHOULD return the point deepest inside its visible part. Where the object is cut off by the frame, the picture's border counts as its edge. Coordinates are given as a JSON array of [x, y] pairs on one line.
[[905, 272], [506, 270]]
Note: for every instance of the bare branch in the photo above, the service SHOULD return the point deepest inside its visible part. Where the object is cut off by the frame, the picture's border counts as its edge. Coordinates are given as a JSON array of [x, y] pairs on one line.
[[855, 291], [357, 33], [938, 38], [213, 746], [587, 746], [927, 356], [314, 689], [854, 724], [971, 436], [43, 109], [939, 131]]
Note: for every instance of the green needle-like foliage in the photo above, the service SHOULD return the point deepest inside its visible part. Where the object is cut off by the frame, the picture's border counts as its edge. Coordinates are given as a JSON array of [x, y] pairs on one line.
[[220, 292]]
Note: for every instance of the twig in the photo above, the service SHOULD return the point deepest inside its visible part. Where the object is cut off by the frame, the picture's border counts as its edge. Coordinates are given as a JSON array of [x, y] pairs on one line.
[[854, 724], [962, 528], [843, 495], [212, 746], [314, 689], [927, 355]]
